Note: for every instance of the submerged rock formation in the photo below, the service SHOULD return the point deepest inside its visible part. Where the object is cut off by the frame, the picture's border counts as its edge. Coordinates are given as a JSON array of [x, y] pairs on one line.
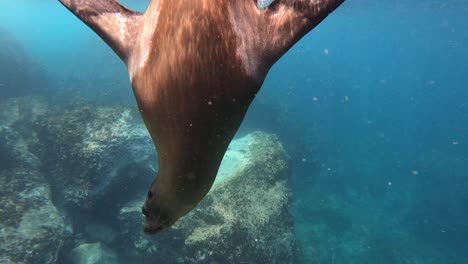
[[73, 181], [95, 253], [18, 142], [95, 154], [244, 219], [31, 227]]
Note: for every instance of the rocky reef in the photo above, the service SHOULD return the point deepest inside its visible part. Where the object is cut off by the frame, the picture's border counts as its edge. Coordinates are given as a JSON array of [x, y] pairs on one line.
[[73, 181], [95, 154], [32, 229]]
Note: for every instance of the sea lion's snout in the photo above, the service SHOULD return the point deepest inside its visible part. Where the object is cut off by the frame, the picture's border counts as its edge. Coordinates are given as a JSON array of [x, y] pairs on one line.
[[158, 216], [153, 224]]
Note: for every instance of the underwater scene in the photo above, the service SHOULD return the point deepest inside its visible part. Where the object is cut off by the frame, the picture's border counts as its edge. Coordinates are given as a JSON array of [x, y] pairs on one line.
[[355, 149]]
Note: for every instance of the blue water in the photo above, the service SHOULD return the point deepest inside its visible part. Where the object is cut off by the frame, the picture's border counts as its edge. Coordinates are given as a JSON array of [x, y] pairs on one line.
[[372, 107]]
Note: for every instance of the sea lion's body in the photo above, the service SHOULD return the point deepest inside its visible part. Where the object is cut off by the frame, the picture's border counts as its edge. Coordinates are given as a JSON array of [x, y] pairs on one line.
[[198, 103], [195, 67]]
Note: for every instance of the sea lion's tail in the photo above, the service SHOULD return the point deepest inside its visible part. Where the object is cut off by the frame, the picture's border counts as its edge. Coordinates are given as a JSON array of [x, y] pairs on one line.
[[114, 23]]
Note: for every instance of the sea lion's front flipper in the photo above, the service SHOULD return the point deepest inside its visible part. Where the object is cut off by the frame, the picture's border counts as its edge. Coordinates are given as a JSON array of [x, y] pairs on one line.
[[115, 24], [287, 21]]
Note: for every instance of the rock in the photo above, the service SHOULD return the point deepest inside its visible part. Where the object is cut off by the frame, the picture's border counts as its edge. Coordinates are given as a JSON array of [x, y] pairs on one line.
[[18, 141], [31, 227], [97, 160], [245, 218], [95, 253], [99, 232], [96, 154], [22, 112]]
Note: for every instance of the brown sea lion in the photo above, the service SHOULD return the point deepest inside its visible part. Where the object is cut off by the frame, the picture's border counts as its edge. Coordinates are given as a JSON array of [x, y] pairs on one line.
[[195, 67]]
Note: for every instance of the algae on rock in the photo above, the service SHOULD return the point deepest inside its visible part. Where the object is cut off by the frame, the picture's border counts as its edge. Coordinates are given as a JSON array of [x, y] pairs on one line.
[[18, 141], [95, 153], [31, 227]]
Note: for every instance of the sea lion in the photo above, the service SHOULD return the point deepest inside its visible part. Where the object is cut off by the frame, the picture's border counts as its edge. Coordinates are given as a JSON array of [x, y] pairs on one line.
[[195, 67]]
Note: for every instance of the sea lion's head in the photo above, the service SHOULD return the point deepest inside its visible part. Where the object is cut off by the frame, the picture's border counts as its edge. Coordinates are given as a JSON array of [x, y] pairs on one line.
[[165, 205], [162, 207], [158, 214]]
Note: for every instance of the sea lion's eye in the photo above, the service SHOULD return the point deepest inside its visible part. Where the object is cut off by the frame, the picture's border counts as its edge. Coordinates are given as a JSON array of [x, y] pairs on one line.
[[150, 194]]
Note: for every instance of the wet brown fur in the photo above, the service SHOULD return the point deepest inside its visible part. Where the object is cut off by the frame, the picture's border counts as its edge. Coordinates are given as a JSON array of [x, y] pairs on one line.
[[200, 99]]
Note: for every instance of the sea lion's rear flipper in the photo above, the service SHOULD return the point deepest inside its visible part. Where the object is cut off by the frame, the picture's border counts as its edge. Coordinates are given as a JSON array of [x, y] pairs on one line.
[[287, 21], [114, 23]]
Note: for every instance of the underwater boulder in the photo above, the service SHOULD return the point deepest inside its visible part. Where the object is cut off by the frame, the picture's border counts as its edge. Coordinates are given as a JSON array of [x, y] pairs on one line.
[[14, 150], [31, 227], [93, 253], [245, 218], [18, 142], [100, 232], [22, 112], [95, 155]]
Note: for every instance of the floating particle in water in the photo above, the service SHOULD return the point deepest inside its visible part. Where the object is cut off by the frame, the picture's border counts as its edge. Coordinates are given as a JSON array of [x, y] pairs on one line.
[[454, 142], [415, 172], [210, 102], [304, 160], [315, 98], [326, 51], [389, 183], [346, 98]]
